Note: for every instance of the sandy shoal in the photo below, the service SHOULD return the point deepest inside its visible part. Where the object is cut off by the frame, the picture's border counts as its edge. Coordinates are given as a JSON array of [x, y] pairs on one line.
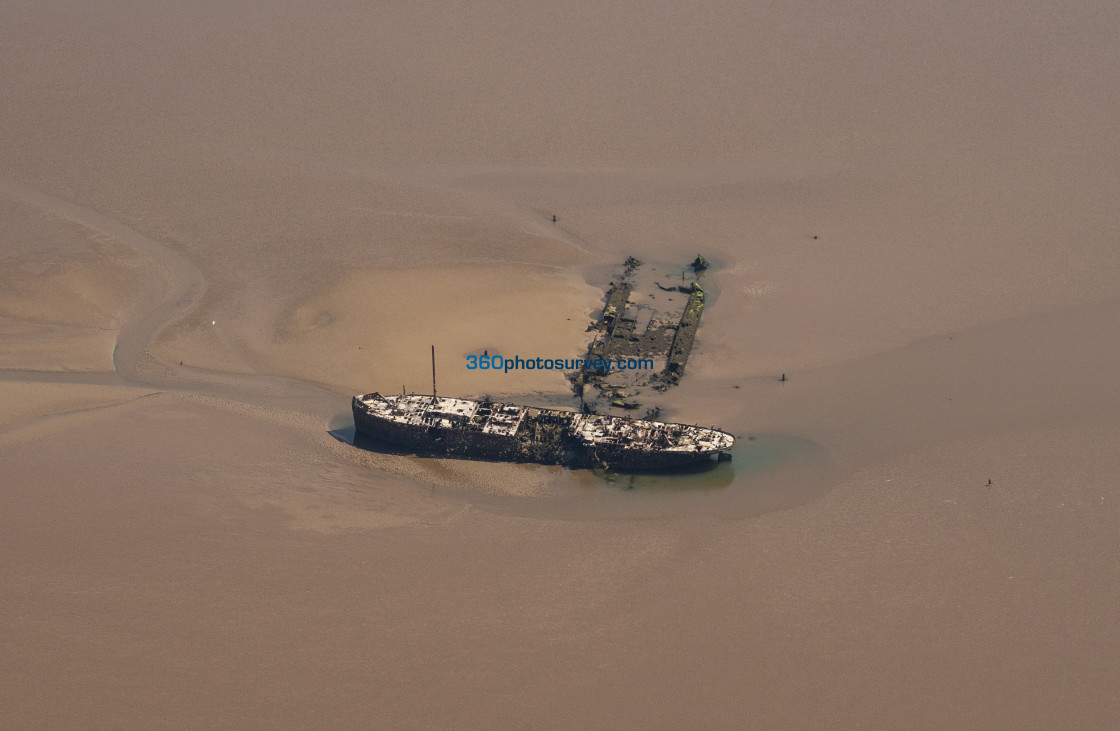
[[373, 330]]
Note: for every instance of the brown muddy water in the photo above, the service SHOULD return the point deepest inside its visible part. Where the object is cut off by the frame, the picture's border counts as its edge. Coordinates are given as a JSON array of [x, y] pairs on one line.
[[219, 221]]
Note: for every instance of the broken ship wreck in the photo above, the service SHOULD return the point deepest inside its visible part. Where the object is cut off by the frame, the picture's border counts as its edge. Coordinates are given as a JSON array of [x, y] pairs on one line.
[[457, 427]]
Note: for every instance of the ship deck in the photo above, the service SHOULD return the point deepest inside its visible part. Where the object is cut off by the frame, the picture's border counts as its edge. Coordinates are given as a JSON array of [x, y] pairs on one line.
[[419, 410], [506, 419], [596, 429]]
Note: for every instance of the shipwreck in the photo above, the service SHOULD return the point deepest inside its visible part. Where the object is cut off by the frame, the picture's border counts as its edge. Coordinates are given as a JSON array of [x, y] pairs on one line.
[[637, 321], [434, 425]]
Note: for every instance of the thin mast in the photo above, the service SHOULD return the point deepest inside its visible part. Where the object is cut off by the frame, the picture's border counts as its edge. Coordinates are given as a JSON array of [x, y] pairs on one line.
[[433, 373]]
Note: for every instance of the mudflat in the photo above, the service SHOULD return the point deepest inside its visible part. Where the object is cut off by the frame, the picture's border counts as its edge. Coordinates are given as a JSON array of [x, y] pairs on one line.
[[219, 222]]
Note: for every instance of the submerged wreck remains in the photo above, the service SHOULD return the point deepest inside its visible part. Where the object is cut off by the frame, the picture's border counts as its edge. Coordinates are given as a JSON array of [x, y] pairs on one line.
[[485, 430], [652, 312]]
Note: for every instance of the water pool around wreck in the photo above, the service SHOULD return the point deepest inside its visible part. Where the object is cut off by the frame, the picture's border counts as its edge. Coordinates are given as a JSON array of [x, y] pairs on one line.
[[767, 473]]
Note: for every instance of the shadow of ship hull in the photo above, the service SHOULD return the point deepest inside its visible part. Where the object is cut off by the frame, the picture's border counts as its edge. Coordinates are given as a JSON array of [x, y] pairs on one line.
[[545, 436]]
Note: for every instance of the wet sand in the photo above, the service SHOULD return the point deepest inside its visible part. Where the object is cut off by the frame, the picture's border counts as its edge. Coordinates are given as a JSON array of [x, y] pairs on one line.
[[218, 223]]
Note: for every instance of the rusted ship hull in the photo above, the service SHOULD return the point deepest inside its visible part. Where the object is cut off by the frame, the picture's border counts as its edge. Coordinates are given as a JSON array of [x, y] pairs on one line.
[[543, 436]]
